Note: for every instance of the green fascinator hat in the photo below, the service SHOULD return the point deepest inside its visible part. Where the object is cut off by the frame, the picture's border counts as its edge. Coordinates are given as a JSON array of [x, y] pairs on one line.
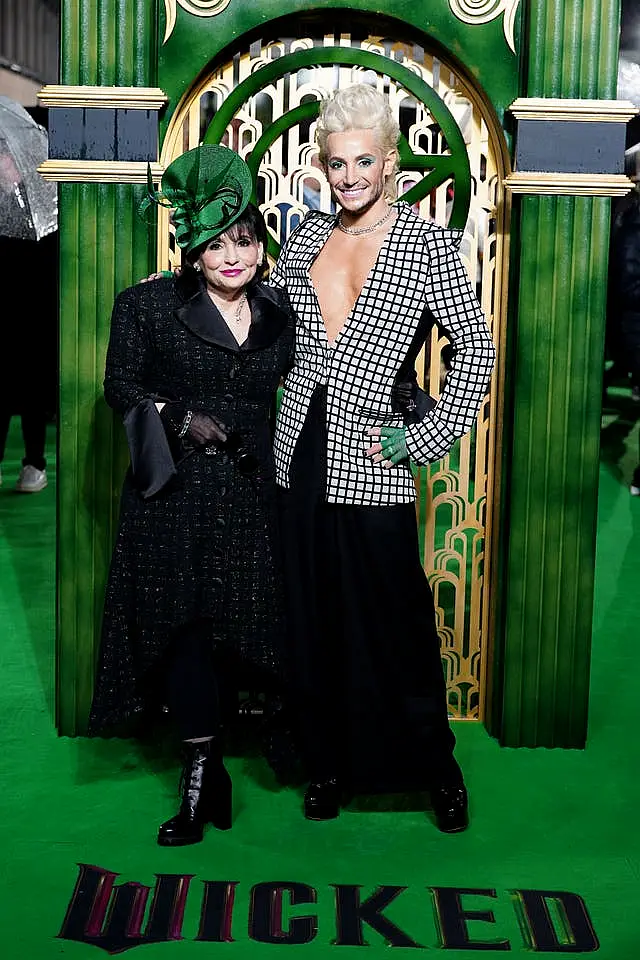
[[207, 188]]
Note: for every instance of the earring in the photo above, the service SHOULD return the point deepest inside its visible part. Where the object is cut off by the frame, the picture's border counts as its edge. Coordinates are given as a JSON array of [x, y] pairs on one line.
[[197, 267]]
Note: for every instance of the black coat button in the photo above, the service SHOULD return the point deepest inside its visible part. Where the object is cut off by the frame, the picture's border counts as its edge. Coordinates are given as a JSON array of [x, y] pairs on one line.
[[220, 522], [228, 397]]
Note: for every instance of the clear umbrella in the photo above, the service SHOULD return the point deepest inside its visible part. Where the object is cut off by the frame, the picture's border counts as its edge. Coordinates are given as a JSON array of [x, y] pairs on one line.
[[28, 204], [629, 80]]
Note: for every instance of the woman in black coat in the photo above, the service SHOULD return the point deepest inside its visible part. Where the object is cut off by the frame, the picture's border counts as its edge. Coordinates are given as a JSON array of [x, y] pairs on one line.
[[624, 296], [194, 592]]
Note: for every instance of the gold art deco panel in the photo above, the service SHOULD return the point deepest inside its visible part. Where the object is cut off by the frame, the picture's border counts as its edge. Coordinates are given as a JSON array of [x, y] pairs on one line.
[[455, 495]]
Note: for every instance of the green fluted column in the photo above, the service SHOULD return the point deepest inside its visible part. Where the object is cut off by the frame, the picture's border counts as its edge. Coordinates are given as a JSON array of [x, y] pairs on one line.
[[555, 366], [104, 247]]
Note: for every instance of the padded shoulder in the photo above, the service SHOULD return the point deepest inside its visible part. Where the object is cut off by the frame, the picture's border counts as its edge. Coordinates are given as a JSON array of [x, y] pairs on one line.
[[442, 240]]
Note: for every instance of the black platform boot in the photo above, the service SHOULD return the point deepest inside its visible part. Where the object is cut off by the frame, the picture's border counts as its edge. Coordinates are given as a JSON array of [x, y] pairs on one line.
[[322, 800], [205, 786], [450, 806]]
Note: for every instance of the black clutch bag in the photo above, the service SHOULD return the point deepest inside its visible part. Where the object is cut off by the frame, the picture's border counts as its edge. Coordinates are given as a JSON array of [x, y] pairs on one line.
[[410, 401]]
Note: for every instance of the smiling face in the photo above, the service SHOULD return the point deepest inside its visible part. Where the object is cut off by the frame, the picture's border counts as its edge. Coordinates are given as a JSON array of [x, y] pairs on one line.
[[357, 170], [229, 262]]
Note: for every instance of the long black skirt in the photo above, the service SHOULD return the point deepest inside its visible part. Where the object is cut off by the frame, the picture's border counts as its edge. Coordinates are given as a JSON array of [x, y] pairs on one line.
[[365, 654]]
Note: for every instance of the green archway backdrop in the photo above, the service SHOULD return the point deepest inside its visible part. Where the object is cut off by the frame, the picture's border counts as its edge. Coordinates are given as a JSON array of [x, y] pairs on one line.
[[483, 47], [550, 368]]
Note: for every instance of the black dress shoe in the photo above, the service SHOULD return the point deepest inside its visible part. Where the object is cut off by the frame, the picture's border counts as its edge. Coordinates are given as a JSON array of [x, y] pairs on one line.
[[206, 797], [450, 805], [322, 800]]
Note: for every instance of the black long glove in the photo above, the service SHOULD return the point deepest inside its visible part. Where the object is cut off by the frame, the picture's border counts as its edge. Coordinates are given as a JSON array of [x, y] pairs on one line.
[[195, 428]]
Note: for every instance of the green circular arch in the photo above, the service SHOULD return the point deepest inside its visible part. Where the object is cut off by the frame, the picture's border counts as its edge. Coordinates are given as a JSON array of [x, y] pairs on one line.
[[455, 165]]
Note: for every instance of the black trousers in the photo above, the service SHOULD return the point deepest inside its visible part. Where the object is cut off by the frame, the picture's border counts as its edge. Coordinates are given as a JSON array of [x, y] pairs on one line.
[[34, 433], [367, 673]]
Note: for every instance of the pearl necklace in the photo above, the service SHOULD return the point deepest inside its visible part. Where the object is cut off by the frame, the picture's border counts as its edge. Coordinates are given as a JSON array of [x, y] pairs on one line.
[[358, 231]]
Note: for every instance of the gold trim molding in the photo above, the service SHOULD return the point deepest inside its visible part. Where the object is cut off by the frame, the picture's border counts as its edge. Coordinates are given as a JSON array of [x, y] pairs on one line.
[[594, 111], [119, 98], [98, 171], [569, 184], [483, 11], [197, 8]]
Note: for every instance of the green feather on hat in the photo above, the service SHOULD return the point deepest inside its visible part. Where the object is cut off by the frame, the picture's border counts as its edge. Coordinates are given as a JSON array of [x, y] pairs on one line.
[[208, 188]]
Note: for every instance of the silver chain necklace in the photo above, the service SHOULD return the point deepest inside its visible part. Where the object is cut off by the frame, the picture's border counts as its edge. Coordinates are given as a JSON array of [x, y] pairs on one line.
[[236, 315], [358, 231]]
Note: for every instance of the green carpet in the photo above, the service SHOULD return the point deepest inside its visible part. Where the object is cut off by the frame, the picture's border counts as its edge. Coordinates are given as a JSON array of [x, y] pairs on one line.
[[556, 822]]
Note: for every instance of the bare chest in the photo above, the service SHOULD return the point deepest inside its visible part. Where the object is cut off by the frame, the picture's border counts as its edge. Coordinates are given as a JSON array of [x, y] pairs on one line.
[[339, 273]]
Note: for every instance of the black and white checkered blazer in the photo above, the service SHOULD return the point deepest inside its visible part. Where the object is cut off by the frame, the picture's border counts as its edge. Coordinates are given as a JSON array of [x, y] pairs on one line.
[[417, 270]]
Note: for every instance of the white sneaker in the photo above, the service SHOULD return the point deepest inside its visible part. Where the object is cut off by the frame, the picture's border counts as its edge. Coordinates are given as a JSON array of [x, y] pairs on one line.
[[31, 480]]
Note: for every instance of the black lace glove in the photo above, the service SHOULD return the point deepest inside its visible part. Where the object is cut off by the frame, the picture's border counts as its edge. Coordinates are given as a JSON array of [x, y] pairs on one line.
[[190, 428], [195, 428]]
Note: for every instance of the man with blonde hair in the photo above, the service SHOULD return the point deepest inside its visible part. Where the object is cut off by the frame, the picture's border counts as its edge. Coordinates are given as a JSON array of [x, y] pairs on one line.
[[365, 285]]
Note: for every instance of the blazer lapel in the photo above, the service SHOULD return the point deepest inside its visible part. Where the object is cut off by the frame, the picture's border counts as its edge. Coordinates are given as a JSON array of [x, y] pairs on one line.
[[299, 274], [199, 315], [269, 315]]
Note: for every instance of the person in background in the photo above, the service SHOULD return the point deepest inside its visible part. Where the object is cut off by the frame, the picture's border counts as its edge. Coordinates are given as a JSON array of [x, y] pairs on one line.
[[28, 354], [624, 297], [193, 601]]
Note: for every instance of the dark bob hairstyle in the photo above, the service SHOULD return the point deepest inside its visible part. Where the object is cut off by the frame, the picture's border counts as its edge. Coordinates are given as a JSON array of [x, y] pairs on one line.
[[250, 224]]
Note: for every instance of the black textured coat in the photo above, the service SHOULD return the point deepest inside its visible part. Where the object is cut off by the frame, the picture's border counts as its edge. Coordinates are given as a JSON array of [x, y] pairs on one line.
[[624, 285], [205, 545]]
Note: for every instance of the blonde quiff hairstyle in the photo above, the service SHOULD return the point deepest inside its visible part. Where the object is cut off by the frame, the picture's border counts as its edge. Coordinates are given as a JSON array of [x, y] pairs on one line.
[[359, 107]]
